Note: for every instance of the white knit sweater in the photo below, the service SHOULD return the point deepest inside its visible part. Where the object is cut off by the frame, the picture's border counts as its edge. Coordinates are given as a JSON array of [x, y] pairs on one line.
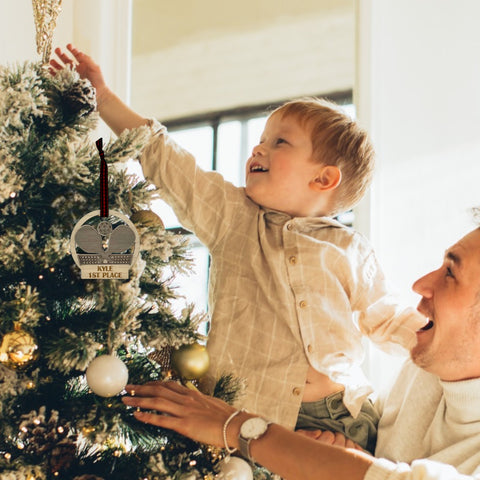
[[429, 429]]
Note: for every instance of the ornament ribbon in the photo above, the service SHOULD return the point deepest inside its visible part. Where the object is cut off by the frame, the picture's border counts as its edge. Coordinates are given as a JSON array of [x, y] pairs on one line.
[[103, 180]]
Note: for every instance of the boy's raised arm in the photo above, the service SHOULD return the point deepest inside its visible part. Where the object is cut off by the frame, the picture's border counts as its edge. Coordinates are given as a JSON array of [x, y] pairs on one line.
[[116, 114]]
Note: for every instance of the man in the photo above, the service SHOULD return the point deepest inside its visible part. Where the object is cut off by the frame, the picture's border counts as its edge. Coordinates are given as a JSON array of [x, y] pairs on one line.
[[430, 421]]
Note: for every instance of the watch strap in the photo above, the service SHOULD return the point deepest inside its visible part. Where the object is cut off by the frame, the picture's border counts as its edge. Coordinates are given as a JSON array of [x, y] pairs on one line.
[[244, 447]]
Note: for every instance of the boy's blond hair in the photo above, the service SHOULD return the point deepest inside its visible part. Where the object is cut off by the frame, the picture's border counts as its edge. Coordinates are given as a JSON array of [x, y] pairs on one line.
[[336, 140]]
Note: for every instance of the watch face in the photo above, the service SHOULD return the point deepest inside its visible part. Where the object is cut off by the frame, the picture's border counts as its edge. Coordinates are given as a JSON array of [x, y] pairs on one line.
[[253, 427]]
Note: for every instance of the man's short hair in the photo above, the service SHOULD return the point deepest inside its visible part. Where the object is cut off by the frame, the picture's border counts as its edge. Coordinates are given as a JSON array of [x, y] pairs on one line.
[[337, 140]]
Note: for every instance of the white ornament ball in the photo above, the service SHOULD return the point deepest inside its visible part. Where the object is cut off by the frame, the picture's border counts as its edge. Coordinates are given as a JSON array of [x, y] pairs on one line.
[[235, 468], [107, 375]]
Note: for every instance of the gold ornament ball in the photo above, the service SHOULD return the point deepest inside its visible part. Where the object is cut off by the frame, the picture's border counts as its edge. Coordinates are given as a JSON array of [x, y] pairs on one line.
[[191, 362], [147, 218], [19, 349]]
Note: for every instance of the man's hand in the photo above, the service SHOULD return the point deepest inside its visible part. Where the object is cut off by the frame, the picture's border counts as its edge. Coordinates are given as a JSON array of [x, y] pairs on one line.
[[189, 412], [330, 438]]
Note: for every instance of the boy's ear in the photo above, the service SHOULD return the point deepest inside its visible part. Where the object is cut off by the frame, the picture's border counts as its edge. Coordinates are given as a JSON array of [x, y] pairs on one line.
[[327, 178]]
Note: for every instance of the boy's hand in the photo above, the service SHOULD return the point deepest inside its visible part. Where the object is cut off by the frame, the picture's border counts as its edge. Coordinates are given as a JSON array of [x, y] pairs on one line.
[[116, 114], [83, 64]]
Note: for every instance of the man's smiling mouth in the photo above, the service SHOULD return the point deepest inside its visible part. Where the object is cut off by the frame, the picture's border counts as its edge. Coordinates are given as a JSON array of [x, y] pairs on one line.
[[428, 326]]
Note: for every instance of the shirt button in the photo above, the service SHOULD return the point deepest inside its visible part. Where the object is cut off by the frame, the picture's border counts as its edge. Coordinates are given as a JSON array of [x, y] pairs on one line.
[[293, 260], [289, 226], [297, 391], [303, 304], [310, 349]]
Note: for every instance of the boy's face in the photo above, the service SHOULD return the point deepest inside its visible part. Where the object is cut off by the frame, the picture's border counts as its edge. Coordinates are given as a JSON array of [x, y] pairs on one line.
[[280, 168]]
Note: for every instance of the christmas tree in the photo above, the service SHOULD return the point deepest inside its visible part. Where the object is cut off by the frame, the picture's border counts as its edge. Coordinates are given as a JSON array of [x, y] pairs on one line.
[[54, 324]]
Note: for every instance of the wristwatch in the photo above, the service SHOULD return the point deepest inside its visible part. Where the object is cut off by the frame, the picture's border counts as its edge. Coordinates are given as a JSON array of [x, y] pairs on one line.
[[251, 429]]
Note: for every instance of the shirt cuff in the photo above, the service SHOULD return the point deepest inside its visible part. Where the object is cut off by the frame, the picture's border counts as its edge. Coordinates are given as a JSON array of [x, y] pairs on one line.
[[382, 469]]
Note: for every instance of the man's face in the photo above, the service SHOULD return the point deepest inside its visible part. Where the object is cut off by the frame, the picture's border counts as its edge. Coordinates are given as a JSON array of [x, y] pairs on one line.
[[449, 346]]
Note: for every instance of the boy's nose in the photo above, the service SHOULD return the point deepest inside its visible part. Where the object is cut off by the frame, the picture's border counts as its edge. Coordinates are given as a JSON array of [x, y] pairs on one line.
[[257, 150]]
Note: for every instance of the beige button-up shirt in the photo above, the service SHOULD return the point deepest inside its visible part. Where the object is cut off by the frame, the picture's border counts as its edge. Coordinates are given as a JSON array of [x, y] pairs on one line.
[[284, 293]]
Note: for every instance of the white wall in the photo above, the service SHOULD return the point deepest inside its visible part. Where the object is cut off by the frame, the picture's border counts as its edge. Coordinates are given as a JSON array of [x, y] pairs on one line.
[[262, 51], [17, 30], [418, 79]]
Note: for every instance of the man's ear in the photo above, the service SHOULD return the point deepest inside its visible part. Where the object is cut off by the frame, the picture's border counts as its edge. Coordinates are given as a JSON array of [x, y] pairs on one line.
[[327, 178]]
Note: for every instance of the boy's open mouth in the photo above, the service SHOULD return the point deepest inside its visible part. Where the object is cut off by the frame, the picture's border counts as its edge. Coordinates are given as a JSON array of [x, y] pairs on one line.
[[258, 168]]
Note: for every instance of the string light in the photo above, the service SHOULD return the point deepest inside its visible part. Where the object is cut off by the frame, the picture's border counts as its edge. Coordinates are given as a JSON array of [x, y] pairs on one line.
[[13, 194]]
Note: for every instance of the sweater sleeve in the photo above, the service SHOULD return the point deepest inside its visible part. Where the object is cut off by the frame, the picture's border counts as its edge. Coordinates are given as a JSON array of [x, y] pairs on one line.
[[381, 317], [202, 200], [382, 469]]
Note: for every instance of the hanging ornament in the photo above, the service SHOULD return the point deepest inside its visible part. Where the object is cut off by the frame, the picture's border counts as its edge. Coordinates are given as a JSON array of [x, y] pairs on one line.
[[147, 218], [235, 468], [45, 13], [191, 362], [107, 375], [104, 244], [19, 349]]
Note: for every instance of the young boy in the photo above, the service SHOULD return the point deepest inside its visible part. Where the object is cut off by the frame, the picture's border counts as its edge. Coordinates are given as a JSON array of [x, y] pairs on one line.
[[285, 277]]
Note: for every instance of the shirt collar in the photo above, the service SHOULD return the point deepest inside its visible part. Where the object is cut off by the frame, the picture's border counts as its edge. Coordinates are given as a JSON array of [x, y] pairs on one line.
[[303, 223]]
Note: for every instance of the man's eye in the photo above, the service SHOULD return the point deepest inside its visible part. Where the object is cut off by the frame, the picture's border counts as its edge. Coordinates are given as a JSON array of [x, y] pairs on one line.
[[281, 140], [449, 273]]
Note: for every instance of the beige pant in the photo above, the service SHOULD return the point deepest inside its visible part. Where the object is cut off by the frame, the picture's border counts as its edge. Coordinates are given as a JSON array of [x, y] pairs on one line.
[[331, 414]]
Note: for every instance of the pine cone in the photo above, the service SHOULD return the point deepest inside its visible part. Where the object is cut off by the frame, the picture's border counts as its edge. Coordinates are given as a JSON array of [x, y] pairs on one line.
[[62, 455], [78, 100], [162, 357], [48, 437]]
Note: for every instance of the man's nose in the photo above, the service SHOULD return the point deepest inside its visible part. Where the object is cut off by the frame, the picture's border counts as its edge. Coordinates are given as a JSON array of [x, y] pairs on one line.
[[424, 285]]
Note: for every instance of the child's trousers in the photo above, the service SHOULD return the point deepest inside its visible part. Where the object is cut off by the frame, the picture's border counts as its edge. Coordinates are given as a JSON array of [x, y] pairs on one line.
[[331, 414]]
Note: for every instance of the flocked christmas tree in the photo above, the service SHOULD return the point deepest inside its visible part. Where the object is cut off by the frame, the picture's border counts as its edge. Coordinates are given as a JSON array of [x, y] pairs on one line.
[[54, 324]]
